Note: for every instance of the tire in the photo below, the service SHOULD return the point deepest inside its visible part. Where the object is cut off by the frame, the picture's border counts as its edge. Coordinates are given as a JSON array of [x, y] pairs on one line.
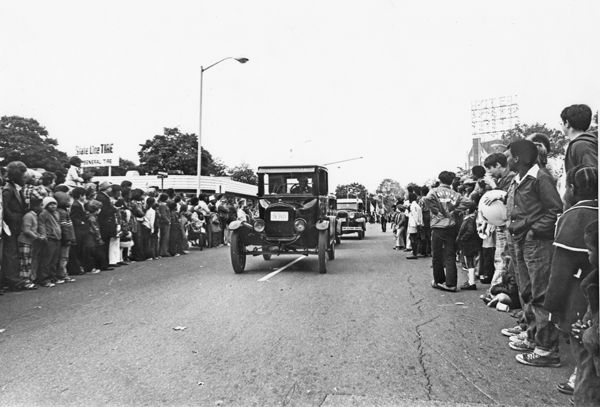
[[238, 252], [266, 256], [331, 251], [322, 251]]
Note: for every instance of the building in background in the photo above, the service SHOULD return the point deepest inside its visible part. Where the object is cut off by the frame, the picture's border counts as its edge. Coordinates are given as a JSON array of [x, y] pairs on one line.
[[490, 118]]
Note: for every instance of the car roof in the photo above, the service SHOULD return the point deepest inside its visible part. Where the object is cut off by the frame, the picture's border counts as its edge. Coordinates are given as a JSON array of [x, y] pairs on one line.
[[349, 200], [289, 168]]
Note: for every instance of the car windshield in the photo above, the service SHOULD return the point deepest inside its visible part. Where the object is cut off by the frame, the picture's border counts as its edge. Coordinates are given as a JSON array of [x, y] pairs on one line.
[[289, 183], [353, 206]]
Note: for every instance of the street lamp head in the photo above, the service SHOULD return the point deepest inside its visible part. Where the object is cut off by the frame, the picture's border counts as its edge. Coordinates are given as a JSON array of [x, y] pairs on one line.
[[241, 60]]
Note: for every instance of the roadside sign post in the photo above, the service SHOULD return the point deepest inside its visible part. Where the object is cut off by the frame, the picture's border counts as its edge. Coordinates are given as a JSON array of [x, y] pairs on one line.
[[162, 175]]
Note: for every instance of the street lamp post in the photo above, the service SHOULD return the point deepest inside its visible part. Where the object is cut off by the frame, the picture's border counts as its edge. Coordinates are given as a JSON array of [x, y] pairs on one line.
[[202, 69]]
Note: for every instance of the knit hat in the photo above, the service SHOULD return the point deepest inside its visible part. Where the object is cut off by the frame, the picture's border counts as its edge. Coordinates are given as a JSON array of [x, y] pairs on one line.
[[94, 205], [62, 199], [48, 200]]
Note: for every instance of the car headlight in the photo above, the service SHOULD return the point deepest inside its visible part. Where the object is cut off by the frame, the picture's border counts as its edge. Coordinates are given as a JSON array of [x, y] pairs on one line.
[[351, 215], [259, 225], [299, 225]]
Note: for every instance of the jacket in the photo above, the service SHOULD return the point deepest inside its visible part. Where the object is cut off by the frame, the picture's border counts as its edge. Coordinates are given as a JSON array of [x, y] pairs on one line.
[[79, 220], [442, 202], [533, 204], [107, 217], [582, 150], [14, 207]]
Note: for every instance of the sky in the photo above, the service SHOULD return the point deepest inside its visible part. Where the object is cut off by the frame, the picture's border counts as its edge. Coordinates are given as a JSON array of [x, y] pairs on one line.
[[389, 81]]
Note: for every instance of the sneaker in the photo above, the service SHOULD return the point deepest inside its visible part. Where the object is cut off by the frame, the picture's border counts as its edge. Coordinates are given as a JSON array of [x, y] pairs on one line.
[[521, 346], [69, 279], [520, 337], [533, 359], [467, 286], [512, 331], [47, 284], [95, 271], [565, 388], [59, 281]]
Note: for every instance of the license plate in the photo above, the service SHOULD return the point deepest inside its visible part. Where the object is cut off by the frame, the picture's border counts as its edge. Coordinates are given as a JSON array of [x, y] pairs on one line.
[[279, 216]]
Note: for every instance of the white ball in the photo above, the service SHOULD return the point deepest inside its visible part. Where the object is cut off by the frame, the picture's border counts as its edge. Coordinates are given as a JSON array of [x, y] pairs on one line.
[[495, 214]]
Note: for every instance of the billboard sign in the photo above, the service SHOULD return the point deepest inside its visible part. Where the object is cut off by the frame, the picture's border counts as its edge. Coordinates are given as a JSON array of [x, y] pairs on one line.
[[99, 155]]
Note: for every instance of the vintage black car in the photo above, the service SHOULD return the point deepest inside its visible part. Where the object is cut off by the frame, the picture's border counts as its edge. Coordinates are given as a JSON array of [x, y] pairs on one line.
[[351, 216], [296, 216]]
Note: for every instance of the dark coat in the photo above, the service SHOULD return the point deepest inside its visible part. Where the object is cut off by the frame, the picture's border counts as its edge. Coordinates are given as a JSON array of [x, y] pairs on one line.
[[469, 240], [107, 219], [14, 207], [79, 221]]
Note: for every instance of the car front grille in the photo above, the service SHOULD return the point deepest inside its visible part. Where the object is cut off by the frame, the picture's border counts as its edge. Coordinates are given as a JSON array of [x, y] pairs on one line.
[[279, 228]]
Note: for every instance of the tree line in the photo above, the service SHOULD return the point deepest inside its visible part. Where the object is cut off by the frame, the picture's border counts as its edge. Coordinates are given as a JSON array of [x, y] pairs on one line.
[[26, 140]]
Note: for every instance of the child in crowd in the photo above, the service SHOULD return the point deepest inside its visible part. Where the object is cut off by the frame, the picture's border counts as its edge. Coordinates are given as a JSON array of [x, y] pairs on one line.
[[27, 239], [49, 228], [414, 223], [470, 243], [67, 235], [487, 233], [94, 241], [570, 263], [585, 334], [126, 237], [148, 225]]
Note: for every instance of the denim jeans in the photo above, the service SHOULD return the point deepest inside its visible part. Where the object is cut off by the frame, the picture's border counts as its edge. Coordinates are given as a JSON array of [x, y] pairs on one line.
[[442, 247], [532, 259]]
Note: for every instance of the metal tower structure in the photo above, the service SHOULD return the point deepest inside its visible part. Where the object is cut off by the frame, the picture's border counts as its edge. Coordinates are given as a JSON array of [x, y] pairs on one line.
[[491, 117]]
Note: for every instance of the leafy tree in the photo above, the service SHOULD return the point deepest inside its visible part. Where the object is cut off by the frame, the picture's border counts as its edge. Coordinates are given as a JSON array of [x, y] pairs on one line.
[[390, 190], [558, 141], [26, 140], [243, 173], [354, 190], [174, 150], [215, 167]]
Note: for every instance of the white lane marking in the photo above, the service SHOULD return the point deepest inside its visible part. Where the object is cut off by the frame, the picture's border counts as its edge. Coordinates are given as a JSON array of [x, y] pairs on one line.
[[268, 276]]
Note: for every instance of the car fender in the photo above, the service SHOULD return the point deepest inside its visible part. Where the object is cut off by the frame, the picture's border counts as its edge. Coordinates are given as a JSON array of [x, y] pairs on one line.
[[236, 224], [322, 225]]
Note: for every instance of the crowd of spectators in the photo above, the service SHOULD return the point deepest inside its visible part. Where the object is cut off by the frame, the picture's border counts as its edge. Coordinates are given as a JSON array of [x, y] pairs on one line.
[[538, 252], [53, 232]]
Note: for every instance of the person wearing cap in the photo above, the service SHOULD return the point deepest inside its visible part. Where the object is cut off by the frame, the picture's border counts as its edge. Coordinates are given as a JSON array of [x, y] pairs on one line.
[[49, 228], [107, 222], [74, 174]]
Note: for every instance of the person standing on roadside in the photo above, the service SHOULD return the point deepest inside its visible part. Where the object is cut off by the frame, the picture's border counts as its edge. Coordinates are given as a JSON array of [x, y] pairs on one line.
[[533, 206], [443, 202], [14, 210], [164, 224], [575, 120]]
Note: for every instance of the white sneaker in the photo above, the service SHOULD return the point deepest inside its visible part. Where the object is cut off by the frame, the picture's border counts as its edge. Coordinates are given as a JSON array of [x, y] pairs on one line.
[[95, 271], [520, 337], [512, 331]]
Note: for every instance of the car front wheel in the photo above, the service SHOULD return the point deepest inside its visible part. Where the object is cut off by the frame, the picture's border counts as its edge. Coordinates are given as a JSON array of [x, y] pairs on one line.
[[322, 251], [238, 252]]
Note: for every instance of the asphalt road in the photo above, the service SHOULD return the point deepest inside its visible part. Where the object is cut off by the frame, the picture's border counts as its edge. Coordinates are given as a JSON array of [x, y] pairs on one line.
[[370, 332]]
